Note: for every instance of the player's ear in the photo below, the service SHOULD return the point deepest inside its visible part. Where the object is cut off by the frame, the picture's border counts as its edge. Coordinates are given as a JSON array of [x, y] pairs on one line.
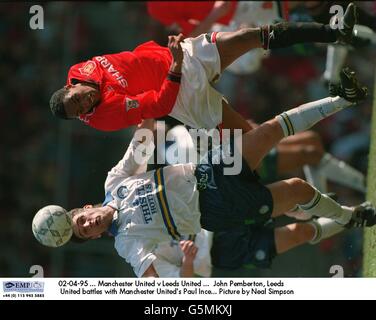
[[88, 206]]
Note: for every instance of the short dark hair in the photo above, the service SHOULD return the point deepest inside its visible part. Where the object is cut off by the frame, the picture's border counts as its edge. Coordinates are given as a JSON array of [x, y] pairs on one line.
[[71, 214], [57, 105]]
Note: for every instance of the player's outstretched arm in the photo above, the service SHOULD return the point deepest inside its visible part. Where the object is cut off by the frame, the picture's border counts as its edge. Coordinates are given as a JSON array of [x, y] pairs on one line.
[[136, 157]]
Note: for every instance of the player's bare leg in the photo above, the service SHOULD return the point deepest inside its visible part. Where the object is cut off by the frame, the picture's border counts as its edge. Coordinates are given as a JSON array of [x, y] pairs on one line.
[[232, 119], [288, 193], [297, 194], [258, 142], [296, 234], [293, 235], [231, 45]]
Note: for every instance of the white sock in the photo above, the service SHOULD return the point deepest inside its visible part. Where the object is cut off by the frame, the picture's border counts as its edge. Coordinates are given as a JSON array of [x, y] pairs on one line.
[[342, 173], [335, 58], [298, 214], [324, 228], [323, 206], [315, 177], [364, 32], [305, 116]]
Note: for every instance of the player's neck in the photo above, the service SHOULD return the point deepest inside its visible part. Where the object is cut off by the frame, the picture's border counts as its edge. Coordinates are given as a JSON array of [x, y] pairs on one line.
[[108, 214]]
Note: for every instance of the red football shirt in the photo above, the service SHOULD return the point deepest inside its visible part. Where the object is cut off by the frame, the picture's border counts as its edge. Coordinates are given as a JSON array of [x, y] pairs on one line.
[[133, 86], [180, 12]]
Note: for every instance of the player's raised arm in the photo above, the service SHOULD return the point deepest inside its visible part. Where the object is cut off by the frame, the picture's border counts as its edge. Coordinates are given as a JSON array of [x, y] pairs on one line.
[[136, 157]]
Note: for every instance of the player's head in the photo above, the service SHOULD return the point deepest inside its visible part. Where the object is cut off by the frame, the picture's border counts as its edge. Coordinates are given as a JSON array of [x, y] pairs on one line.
[[74, 100], [90, 222]]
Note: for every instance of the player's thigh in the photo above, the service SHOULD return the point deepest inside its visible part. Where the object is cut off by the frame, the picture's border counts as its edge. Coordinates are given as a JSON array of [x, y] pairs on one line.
[[231, 45], [258, 142], [232, 119]]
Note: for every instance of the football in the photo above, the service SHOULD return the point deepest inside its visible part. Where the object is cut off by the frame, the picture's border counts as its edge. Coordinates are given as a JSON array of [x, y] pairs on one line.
[[52, 226]]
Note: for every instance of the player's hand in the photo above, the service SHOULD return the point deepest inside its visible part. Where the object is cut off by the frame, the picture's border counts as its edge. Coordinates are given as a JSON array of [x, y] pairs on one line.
[[189, 250], [143, 138], [176, 51], [147, 124]]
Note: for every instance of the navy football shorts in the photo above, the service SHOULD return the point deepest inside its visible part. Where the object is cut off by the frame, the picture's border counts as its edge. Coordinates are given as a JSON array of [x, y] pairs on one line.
[[249, 246], [228, 201]]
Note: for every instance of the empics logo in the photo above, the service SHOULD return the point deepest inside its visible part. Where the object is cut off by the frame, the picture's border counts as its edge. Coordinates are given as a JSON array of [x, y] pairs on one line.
[[23, 286]]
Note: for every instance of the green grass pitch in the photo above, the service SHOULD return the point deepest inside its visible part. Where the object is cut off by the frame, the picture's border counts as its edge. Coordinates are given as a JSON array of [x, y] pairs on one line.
[[369, 246]]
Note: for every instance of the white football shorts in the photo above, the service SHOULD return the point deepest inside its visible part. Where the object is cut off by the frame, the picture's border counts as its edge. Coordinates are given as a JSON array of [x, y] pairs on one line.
[[198, 104]]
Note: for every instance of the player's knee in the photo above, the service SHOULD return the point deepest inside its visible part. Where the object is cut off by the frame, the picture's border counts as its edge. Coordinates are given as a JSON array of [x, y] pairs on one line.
[[300, 190], [302, 232], [311, 154]]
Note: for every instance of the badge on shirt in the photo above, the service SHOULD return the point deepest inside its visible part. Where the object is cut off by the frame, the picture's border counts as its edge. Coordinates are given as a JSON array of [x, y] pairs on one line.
[[122, 192], [88, 68], [131, 104]]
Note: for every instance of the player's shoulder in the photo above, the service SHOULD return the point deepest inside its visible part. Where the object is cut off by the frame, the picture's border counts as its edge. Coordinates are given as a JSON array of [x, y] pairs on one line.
[[150, 46], [85, 70]]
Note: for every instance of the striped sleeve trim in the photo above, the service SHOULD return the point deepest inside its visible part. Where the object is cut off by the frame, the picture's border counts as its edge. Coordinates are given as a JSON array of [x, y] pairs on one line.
[[163, 205]]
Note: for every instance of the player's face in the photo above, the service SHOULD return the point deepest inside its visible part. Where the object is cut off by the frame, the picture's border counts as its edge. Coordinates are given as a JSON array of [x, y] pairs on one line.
[[79, 100], [90, 223]]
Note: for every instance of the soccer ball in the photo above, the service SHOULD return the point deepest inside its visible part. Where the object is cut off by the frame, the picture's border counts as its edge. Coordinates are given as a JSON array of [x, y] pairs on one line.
[[52, 226]]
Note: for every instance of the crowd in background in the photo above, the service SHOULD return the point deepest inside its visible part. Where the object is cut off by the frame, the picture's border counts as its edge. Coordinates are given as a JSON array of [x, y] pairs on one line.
[[34, 63]]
